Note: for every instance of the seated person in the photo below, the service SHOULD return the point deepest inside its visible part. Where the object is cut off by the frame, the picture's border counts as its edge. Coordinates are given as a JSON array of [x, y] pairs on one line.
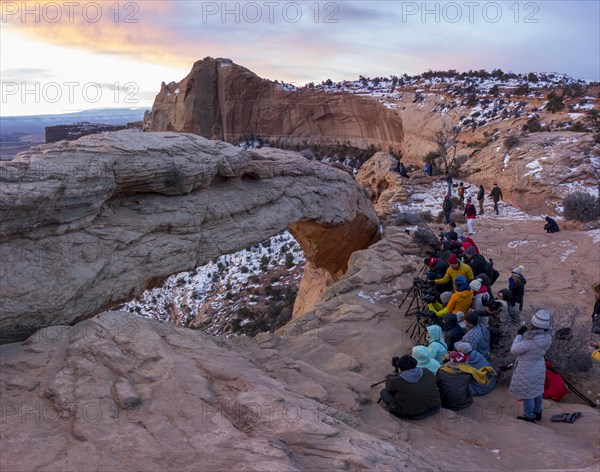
[[481, 383], [436, 346], [551, 225], [452, 331], [480, 298], [460, 300], [477, 335], [424, 360], [453, 383], [436, 265], [411, 394], [456, 269]]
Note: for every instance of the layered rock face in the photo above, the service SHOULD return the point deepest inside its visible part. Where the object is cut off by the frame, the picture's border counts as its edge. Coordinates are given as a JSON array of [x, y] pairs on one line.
[[222, 100], [90, 223], [540, 171], [383, 184], [119, 392]]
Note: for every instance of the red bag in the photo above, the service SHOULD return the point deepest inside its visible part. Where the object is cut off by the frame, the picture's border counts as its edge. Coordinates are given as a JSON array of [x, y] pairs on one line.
[[554, 385]]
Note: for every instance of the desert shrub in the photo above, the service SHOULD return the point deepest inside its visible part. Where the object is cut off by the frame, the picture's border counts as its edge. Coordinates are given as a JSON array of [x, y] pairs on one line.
[[511, 141], [555, 102], [426, 216], [424, 236], [458, 218], [406, 218], [578, 127], [580, 206]]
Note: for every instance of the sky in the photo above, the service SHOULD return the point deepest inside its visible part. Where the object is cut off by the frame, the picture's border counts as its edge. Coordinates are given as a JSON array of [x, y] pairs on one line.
[[64, 56]]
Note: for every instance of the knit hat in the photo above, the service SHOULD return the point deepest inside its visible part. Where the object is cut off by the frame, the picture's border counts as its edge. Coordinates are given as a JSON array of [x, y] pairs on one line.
[[457, 357], [519, 270], [541, 319], [461, 279], [463, 347], [407, 362], [453, 259], [470, 251], [445, 297], [450, 321], [472, 318], [475, 285]]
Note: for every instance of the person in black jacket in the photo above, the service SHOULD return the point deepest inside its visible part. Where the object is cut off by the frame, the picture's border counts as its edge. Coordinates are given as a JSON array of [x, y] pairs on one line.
[[412, 393], [477, 262], [596, 313], [436, 265], [480, 197], [452, 330], [551, 225]]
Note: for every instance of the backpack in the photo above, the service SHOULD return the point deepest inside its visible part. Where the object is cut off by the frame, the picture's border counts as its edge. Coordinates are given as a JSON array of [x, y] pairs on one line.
[[461, 191], [555, 387]]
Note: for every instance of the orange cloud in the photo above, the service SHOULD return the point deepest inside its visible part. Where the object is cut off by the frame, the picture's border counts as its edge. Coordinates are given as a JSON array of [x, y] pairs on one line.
[[101, 27]]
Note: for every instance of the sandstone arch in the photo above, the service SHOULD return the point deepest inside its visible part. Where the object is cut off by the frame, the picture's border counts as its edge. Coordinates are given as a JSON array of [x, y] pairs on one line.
[[90, 223]]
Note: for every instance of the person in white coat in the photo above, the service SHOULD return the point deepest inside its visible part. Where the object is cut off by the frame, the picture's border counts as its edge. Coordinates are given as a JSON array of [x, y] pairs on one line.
[[530, 346]]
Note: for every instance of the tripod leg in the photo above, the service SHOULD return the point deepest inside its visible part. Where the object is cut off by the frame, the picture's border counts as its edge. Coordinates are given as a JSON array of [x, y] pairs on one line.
[[406, 296]]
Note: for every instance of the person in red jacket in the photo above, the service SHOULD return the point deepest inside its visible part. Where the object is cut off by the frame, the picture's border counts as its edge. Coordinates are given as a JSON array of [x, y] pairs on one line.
[[470, 212]]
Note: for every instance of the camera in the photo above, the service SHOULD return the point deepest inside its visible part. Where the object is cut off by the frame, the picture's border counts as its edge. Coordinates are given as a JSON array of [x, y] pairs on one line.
[[429, 298], [396, 363]]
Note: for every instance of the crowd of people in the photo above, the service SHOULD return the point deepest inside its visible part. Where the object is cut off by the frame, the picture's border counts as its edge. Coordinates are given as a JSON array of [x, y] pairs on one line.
[[456, 363]]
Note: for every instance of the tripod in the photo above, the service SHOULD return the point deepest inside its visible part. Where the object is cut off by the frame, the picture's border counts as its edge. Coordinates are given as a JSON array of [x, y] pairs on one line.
[[416, 290]]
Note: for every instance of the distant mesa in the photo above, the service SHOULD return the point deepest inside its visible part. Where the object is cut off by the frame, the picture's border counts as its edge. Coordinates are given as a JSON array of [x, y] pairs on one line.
[[224, 101], [77, 130]]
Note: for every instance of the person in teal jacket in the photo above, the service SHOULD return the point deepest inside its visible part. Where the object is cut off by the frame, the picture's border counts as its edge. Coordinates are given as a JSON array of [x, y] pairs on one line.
[[424, 360], [436, 345]]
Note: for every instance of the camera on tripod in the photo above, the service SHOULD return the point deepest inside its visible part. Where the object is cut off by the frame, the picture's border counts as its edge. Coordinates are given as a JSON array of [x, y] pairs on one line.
[[396, 363]]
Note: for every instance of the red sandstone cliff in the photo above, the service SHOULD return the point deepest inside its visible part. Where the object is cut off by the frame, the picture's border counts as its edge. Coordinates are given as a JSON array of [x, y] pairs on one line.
[[222, 100]]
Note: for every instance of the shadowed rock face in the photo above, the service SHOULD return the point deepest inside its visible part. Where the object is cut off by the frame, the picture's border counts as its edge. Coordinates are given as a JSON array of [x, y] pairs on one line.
[[90, 223], [222, 100]]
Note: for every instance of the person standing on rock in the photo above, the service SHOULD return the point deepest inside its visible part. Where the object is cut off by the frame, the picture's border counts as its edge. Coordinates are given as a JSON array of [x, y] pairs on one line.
[[530, 346], [496, 195], [447, 207], [461, 193], [449, 182], [516, 284], [480, 197], [471, 213], [427, 169]]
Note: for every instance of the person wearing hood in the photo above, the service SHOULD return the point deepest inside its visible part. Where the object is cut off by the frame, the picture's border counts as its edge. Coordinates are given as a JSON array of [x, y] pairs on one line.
[[412, 394], [477, 335], [529, 374], [467, 243], [452, 330], [551, 225], [456, 269], [436, 346], [477, 361], [453, 383], [424, 359], [516, 284]]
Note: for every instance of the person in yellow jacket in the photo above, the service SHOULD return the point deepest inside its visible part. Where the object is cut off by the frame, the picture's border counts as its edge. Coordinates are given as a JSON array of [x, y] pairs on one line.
[[455, 269], [460, 301]]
